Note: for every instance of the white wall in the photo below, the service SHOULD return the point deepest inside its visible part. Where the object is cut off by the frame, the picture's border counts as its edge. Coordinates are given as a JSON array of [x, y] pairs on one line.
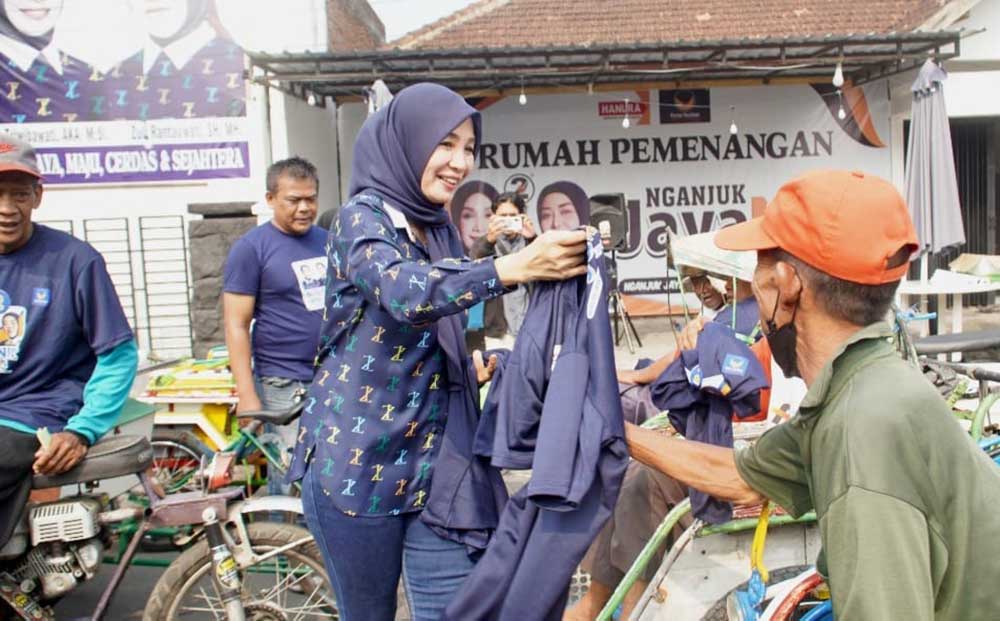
[[350, 118], [309, 132], [973, 85]]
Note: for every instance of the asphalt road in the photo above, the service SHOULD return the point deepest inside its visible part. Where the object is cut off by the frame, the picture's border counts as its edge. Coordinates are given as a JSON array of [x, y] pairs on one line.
[[128, 602]]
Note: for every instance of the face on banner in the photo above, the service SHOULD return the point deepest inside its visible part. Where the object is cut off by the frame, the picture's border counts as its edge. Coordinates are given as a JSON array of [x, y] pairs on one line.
[[32, 18], [563, 206], [166, 19], [470, 211], [678, 162]]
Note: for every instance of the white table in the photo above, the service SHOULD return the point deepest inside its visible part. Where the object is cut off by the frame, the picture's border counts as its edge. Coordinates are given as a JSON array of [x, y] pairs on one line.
[[916, 288]]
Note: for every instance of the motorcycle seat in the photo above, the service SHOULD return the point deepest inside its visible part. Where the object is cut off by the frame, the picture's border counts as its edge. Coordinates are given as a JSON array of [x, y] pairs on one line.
[[110, 457], [977, 340]]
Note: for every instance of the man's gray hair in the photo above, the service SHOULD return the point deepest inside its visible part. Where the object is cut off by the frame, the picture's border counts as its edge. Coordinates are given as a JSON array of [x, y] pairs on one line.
[[853, 302], [294, 167]]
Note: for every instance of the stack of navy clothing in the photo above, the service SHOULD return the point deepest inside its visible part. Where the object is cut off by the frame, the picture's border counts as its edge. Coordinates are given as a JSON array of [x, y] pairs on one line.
[[702, 390], [555, 409]]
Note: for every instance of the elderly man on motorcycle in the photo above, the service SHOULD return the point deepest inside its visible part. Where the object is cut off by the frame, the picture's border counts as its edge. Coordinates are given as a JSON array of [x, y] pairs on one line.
[[67, 354], [906, 501]]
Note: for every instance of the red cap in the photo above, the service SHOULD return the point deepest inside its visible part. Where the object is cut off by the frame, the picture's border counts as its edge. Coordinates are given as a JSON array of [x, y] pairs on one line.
[[18, 156], [846, 224]]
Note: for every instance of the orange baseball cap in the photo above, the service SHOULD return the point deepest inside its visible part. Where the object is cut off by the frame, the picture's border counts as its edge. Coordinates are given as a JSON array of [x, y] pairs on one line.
[[850, 225]]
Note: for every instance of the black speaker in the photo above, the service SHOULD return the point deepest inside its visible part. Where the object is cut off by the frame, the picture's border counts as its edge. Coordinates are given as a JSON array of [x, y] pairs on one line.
[[610, 208]]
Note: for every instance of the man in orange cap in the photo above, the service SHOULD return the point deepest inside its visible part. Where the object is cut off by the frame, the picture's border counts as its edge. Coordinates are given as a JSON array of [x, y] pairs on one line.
[[907, 503]]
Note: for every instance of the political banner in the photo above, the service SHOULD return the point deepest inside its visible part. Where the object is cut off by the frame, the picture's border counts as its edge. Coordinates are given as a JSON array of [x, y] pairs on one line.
[[158, 97], [687, 162]]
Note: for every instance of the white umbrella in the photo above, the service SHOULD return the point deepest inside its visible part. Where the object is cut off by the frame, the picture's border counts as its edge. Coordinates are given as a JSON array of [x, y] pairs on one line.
[[931, 186]]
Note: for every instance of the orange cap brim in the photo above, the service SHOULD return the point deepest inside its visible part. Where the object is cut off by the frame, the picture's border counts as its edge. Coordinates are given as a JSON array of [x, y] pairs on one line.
[[749, 235]]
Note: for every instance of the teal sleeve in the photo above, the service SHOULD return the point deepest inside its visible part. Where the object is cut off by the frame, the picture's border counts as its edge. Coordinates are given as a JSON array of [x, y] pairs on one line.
[[106, 391]]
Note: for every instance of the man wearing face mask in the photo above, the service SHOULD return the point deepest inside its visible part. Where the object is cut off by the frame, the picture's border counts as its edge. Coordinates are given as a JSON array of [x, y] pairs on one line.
[[906, 501]]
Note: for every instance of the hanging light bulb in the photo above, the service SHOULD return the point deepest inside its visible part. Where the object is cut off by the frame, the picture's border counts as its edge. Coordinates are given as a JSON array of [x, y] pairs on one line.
[[311, 100], [732, 126], [838, 75], [522, 99], [626, 123], [841, 113]]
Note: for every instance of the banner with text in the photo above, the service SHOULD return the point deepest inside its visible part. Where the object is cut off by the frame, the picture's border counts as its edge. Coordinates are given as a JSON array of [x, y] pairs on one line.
[[160, 98], [687, 161]]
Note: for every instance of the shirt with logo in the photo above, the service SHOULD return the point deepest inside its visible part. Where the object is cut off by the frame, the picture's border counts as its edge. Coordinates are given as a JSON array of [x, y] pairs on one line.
[[58, 312], [376, 410], [284, 273]]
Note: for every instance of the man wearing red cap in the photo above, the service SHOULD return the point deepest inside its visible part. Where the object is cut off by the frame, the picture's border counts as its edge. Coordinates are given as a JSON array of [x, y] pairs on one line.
[[907, 503], [67, 354]]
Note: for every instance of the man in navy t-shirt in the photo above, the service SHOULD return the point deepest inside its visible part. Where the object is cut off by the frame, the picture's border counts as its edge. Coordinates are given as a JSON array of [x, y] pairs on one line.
[[67, 353], [275, 279], [736, 309]]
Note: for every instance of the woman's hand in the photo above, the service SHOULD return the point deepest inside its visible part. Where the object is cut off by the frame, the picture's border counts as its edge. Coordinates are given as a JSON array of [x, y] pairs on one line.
[[555, 255], [495, 229], [484, 371]]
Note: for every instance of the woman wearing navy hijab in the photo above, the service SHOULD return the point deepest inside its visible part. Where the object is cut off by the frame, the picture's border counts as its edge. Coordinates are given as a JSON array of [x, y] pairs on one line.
[[389, 482]]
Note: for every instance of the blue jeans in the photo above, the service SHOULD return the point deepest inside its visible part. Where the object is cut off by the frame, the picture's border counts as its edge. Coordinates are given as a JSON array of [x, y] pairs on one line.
[[276, 393], [366, 555]]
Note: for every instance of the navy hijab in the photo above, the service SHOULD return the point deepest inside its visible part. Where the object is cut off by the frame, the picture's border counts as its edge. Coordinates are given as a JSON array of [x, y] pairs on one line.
[[390, 155]]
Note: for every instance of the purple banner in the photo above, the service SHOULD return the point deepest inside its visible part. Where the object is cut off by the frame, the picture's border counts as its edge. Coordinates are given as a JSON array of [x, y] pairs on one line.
[[124, 164]]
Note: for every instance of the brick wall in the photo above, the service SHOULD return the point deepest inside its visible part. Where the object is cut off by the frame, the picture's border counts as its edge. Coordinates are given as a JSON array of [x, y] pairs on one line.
[[352, 25]]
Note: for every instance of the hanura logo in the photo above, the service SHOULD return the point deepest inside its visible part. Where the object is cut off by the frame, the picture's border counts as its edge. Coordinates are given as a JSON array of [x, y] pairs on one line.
[[621, 108]]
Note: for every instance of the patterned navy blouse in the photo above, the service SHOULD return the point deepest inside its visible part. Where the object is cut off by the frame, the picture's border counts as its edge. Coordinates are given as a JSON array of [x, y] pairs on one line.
[[375, 412]]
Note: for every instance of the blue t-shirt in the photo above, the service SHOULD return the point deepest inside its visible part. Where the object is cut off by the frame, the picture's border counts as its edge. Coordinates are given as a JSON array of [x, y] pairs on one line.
[[747, 316], [285, 273], [375, 415], [58, 312]]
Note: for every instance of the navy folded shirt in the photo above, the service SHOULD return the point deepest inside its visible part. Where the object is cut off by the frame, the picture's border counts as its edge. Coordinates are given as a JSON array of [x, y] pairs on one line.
[[555, 409], [702, 389]]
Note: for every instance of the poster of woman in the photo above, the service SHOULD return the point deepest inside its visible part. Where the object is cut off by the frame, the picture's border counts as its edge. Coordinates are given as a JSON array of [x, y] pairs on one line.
[[563, 206], [470, 211]]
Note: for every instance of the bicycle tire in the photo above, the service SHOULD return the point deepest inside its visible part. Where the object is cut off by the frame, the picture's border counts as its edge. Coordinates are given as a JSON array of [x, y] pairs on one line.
[[718, 610], [196, 562]]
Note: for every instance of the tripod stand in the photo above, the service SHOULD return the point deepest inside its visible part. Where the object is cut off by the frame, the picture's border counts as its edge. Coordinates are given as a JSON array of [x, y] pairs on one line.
[[618, 310]]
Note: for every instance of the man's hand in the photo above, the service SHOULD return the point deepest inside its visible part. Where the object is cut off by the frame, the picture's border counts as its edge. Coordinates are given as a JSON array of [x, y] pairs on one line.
[[628, 376], [249, 402], [65, 451], [484, 371], [688, 337]]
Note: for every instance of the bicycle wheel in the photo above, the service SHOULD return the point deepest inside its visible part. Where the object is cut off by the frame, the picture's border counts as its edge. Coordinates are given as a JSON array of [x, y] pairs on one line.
[[175, 462], [718, 610], [292, 585]]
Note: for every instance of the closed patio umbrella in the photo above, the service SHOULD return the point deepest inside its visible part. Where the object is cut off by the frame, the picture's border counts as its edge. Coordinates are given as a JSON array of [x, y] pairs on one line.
[[931, 185]]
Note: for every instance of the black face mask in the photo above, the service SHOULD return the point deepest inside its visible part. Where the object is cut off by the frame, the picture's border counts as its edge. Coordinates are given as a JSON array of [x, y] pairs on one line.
[[782, 342]]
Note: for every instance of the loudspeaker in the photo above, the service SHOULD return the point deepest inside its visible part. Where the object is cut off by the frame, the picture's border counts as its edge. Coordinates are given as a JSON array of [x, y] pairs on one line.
[[610, 208]]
